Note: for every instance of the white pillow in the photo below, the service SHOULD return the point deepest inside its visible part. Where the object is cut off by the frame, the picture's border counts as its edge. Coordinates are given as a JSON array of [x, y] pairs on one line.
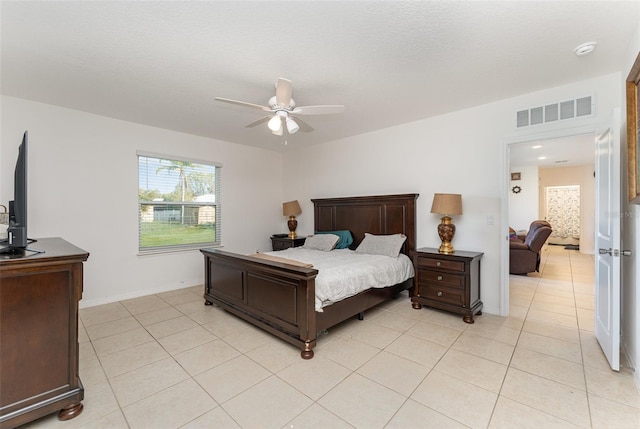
[[325, 242], [388, 245]]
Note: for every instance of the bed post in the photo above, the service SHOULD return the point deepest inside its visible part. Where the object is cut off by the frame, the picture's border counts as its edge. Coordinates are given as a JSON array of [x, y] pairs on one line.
[[307, 352]]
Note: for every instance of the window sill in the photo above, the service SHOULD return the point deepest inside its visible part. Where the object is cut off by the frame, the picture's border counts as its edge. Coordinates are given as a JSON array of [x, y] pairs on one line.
[[163, 251]]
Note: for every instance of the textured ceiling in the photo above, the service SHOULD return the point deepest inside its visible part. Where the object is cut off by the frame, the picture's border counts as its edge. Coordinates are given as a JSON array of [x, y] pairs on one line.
[[162, 63]]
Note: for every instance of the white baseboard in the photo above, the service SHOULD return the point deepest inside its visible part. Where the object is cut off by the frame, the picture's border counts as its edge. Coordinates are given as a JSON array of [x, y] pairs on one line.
[[490, 310], [632, 365], [137, 294]]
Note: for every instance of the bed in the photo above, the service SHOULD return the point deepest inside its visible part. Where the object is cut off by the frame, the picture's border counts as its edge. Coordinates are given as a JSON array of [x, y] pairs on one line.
[[280, 297]]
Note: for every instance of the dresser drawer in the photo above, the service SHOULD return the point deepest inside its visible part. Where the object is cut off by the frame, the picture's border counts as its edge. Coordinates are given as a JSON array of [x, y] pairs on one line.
[[280, 245], [437, 278], [440, 264], [442, 294]]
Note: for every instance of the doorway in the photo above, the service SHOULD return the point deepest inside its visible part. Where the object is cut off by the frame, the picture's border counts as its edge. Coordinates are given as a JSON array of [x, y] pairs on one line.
[[555, 153], [606, 288], [556, 182]]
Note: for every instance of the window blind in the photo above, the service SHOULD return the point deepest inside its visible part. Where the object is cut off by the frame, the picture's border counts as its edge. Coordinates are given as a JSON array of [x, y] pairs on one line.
[[178, 203]]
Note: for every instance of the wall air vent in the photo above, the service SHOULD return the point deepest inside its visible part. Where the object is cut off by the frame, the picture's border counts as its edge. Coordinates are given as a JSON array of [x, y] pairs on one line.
[[561, 111]]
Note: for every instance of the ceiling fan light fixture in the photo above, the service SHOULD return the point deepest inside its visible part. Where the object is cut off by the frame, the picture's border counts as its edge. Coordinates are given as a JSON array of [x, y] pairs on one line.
[[281, 106], [292, 126], [275, 123]]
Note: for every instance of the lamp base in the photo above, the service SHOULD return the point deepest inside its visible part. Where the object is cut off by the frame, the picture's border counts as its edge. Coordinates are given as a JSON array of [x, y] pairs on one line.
[[292, 223], [446, 248], [446, 231]]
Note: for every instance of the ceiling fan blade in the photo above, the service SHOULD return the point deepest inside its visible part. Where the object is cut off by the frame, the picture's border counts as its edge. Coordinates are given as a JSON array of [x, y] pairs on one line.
[[318, 110], [258, 122], [284, 89], [304, 127], [243, 103]]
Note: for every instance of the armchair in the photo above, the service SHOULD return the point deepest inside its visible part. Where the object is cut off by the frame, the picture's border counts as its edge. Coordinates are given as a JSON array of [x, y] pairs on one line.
[[524, 256]]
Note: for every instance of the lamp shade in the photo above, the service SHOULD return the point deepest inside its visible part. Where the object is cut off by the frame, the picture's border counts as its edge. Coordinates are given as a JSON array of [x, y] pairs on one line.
[[291, 208], [292, 126], [447, 204], [275, 123]]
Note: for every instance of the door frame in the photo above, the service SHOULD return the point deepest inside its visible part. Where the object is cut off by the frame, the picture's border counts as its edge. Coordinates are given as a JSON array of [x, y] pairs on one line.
[[525, 137]]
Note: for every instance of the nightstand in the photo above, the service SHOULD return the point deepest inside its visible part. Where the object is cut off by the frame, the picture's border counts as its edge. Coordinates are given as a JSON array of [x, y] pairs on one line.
[[281, 243], [448, 282]]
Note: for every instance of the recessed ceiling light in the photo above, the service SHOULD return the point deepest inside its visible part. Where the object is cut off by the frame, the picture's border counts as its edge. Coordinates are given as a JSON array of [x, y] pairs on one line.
[[542, 157], [585, 48], [537, 146]]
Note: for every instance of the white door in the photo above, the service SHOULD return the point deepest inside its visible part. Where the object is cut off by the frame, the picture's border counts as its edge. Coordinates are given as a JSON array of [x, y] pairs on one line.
[[607, 292]]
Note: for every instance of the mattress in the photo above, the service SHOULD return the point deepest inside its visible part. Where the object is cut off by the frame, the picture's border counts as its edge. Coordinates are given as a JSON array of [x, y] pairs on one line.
[[343, 273]]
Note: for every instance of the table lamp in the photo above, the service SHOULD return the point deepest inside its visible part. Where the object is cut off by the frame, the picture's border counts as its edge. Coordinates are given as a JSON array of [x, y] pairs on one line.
[[291, 209], [446, 204]]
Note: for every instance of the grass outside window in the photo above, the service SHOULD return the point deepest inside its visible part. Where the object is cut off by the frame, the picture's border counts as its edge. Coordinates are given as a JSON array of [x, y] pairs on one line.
[[165, 234]]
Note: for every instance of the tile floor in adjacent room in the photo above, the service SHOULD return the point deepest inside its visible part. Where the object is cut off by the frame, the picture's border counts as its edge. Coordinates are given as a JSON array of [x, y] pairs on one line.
[[167, 361]]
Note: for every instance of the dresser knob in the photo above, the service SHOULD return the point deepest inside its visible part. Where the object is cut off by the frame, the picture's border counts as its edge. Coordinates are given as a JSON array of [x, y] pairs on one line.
[[439, 294], [439, 278], [438, 263]]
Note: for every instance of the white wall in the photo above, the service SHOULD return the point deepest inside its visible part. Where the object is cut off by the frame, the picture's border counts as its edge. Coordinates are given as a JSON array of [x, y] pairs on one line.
[[523, 206], [461, 152], [83, 187]]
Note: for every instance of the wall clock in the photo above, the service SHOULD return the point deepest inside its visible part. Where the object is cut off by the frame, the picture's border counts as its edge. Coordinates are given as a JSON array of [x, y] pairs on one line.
[[516, 189]]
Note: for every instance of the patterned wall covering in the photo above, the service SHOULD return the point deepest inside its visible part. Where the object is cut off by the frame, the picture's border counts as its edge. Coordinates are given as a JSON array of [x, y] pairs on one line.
[[563, 213]]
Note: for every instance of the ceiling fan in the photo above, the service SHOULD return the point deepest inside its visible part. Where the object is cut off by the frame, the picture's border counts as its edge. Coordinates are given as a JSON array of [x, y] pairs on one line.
[[282, 110]]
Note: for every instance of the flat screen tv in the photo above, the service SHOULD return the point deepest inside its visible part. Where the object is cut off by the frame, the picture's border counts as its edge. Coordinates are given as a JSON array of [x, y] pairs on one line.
[[17, 240]]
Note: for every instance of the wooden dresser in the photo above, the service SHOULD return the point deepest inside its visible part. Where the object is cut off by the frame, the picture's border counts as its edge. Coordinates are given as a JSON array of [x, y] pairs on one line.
[[448, 282], [39, 296]]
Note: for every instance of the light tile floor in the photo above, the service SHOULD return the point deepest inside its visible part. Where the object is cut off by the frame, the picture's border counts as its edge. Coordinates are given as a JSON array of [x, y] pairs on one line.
[[167, 361]]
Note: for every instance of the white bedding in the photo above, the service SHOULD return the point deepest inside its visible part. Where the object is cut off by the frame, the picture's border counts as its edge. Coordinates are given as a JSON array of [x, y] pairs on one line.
[[343, 272]]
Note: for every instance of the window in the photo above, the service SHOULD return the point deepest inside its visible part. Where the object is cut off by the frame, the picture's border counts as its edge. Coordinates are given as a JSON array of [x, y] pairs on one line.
[[178, 203]]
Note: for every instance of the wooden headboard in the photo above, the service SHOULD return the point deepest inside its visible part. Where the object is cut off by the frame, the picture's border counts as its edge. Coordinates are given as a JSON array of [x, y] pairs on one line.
[[380, 214]]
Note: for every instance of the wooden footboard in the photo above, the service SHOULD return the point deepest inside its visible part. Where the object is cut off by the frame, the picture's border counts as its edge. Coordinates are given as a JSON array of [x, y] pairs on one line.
[[280, 298], [277, 297]]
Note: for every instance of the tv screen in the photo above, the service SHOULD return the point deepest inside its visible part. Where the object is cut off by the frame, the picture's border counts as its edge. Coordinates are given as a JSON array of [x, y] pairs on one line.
[[17, 231]]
